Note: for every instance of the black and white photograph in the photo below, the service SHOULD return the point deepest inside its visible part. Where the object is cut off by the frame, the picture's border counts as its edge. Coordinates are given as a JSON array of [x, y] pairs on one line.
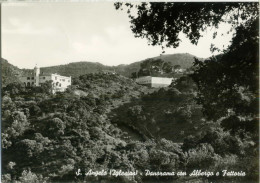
[[129, 91]]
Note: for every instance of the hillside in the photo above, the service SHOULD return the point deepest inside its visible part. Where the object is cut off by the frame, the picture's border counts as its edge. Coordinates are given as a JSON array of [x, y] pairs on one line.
[[170, 113], [185, 60], [9, 72], [49, 137], [107, 121], [75, 69], [114, 88]]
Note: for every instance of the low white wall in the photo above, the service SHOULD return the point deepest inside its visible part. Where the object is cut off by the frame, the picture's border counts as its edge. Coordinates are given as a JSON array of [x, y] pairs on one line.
[[155, 82], [144, 80], [160, 80]]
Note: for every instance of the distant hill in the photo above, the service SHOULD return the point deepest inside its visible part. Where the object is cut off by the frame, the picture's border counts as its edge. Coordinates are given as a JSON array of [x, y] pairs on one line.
[[10, 73], [185, 60], [76, 69]]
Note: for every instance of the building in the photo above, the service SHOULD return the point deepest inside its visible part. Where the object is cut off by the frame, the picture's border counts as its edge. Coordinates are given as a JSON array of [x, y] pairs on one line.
[[59, 83], [179, 70], [155, 82]]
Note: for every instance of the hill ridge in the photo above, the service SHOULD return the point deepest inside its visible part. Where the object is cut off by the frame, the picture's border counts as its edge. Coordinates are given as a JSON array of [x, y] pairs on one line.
[[75, 69]]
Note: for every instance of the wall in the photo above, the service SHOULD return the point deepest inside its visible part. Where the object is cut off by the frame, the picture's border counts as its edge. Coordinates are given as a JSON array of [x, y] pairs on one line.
[[144, 80], [43, 79], [60, 83], [25, 80], [158, 82]]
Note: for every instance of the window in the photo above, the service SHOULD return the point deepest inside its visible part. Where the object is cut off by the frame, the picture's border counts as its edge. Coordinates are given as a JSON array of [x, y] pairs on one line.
[[28, 78], [60, 84], [32, 83], [43, 77], [55, 78], [68, 80], [32, 78]]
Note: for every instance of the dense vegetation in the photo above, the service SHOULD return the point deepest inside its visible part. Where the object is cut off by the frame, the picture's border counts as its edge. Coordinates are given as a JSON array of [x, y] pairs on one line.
[[47, 138], [206, 121], [9, 72], [170, 113], [227, 85], [158, 67], [184, 60]]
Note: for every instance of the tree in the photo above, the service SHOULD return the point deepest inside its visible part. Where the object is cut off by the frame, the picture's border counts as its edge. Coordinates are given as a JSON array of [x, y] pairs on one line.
[[14, 88], [232, 88], [176, 67], [134, 75], [145, 68], [167, 67], [154, 67], [30, 177], [161, 23], [228, 84], [47, 87], [56, 126], [17, 124]]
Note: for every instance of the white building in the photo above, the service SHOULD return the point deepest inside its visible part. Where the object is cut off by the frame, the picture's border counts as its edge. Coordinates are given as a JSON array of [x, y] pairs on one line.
[[155, 82], [59, 83], [180, 70]]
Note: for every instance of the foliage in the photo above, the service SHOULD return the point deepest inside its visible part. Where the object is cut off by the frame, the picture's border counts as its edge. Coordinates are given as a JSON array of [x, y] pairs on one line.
[[47, 137], [9, 73], [164, 113], [233, 82], [154, 68], [161, 23], [227, 85], [53, 135]]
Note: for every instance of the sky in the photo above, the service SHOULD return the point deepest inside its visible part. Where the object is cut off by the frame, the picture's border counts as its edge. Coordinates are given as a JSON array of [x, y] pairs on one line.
[[58, 33]]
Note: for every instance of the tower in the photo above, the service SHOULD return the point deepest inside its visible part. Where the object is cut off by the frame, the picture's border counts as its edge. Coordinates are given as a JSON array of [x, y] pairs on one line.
[[36, 75]]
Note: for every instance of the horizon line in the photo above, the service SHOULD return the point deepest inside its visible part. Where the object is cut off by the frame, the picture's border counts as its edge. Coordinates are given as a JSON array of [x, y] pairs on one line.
[[163, 54]]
